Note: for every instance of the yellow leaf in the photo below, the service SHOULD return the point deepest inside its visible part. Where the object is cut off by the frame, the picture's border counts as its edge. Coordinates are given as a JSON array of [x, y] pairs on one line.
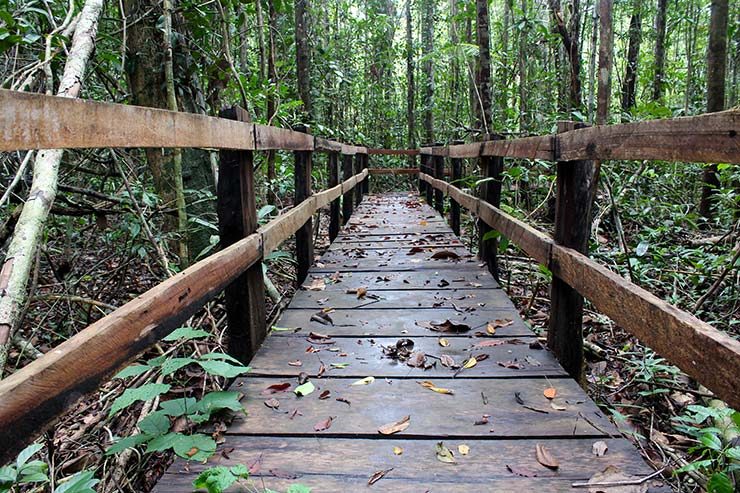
[[443, 342], [470, 362], [397, 450], [463, 449], [364, 381], [550, 392], [491, 329], [361, 292], [429, 385], [423, 223]]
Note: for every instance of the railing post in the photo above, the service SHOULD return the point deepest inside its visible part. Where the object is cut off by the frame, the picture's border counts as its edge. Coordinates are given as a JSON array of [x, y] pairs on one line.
[[366, 181], [428, 170], [490, 191], [347, 201], [237, 218], [422, 169], [304, 236], [572, 229], [358, 187], [456, 169], [333, 163], [438, 162]]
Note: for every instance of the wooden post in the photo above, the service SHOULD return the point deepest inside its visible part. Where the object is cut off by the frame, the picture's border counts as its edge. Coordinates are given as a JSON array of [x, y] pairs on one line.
[[366, 181], [237, 218], [304, 236], [422, 169], [456, 167], [490, 191], [572, 229], [358, 187], [438, 162], [333, 162], [347, 202], [428, 189]]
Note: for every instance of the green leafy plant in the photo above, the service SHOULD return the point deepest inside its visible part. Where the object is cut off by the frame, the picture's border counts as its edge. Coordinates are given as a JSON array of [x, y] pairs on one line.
[[27, 472]]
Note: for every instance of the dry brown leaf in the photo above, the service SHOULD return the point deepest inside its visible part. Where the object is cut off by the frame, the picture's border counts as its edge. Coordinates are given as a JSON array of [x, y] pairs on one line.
[[275, 388], [295, 363], [323, 425], [391, 428], [545, 458], [272, 403], [317, 285], [447, 361], [613, 474], [429, 385], [550, 392], [378, 476], [445, 255], [470, 362], [361, 292]]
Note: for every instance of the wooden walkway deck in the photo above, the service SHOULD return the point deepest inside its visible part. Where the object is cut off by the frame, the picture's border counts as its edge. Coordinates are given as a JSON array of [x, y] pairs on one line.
[[499, 410]]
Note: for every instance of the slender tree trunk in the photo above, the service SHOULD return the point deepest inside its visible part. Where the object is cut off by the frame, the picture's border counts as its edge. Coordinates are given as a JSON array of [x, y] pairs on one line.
[[716, 71], [570, 37], [522, 65], [592, 61], [427, 42], [483, 76], [455, 66], [21, 253], [303, 57], [629, 84], [411, 87], [660, 33], [273, 78], [606, 49], [260, 41], [691, 16]]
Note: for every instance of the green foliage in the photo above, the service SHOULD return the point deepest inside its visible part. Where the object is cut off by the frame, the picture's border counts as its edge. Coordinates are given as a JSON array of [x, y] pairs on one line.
[[82, 482], [24, 471], [218, 479], [143, 393]]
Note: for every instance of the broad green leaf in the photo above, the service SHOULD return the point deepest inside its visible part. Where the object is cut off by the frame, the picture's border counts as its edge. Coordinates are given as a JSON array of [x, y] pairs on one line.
[[216, 401], [720, 483], [132, 371], [220, 356], [26, 454], [163, 442], [82, 482], [172, 365], [305, 389], [733, 453], [196, 447], [143, 393], [240, 470], [215, 479], [179, 407], [298, 488], [127, 442], [491, 235], [155, 424], [222, 368], [7, 475], [186, 333], [711, 441]]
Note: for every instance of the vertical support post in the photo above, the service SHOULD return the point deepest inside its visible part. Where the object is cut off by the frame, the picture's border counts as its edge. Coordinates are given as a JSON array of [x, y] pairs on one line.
[[304, 236], [358, 187], [572, 229], [237, 218], [490, 191], [428, 170], [366, 181], [347, 201], [422, 169], [333, 163], [439, 173], [456, 169]]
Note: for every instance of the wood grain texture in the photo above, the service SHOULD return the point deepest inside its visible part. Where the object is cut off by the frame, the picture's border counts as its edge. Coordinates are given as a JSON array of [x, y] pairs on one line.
[[393, 171], [326, 145], [393, 152], [267, 138]]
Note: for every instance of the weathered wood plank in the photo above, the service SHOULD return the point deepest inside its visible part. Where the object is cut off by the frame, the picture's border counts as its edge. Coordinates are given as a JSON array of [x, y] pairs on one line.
[[326, 145], [394, 171], [365, 358], [394, 152], [36, 121], [453, 279], [526, 147], [432, 414], [267, 138]]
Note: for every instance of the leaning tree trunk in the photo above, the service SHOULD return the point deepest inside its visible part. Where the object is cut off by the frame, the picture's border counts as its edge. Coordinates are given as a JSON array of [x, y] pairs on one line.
[[633, 51], [716, 68], [303, 60], [30, 227], [483, 75]]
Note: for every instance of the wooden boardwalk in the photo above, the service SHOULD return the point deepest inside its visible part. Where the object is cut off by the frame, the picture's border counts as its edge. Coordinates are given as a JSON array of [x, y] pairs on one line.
[[499, 410]]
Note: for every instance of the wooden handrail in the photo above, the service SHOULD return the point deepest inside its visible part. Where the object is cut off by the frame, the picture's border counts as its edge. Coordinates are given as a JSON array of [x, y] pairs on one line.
[[32, 397], [703, 352], [393, 171]]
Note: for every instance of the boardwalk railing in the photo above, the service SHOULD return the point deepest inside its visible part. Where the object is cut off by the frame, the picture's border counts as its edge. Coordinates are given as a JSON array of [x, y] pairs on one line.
[[32, 397], [703, 352]]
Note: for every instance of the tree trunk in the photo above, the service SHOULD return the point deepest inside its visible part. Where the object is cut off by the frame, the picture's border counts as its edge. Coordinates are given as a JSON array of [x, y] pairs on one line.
[[273, 89], [303, 57], [629, 83], [29, 230], [410, 88], [427, 42], [260, 42], [570, 37], [716, 69], [592, 60], [522, 65], [606, 49], [483, 75], [660, 32]]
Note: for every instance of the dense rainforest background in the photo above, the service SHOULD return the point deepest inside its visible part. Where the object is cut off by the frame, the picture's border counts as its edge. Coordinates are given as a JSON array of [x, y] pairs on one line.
[[86, 231]]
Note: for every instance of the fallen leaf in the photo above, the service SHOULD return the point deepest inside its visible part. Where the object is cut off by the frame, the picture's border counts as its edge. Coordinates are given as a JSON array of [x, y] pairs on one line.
[[463, 449], [443, 342], [446, 326], [305, 389], [512, 365], [295, 363], [317, 285], [397, 450], [364, 381], [322, 317], [491, 329], [550, 392], [490, 344], [415, 250], [417, 360], [342, 399], [429, 385], [599, 448], [423, 223], [272, 403], [391, 428], [302, 378], [378, 476], [445, 255], [470, 362], [447, 361], [545, 458], [275, 388], [361, 292], [323, 425], [339, 366], [556, 405], [483, 420], [325, 395], [524, 472], [444, 454]]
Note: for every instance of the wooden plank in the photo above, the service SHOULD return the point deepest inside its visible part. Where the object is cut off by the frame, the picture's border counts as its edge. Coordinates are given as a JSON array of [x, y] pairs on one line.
[[400, 322], [357, 166], [347, 200], [34, 395], [267, 138], [527, 147], [460, 151], [394, 171], [334, 212], [326, 145], [36, 121], [344, 463], [709, 138], [456, 167], [237, 219], [432, 414], [365, 358], [394, 152], [444, 279]]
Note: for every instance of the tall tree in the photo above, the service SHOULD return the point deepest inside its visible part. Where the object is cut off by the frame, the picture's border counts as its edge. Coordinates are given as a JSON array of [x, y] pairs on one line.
[[606, 53], [716, 70], [570, 35], [629, 84], [483, 74], [303, 56], [271, 91], [411, 86], [427, 46], [660, 33]]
